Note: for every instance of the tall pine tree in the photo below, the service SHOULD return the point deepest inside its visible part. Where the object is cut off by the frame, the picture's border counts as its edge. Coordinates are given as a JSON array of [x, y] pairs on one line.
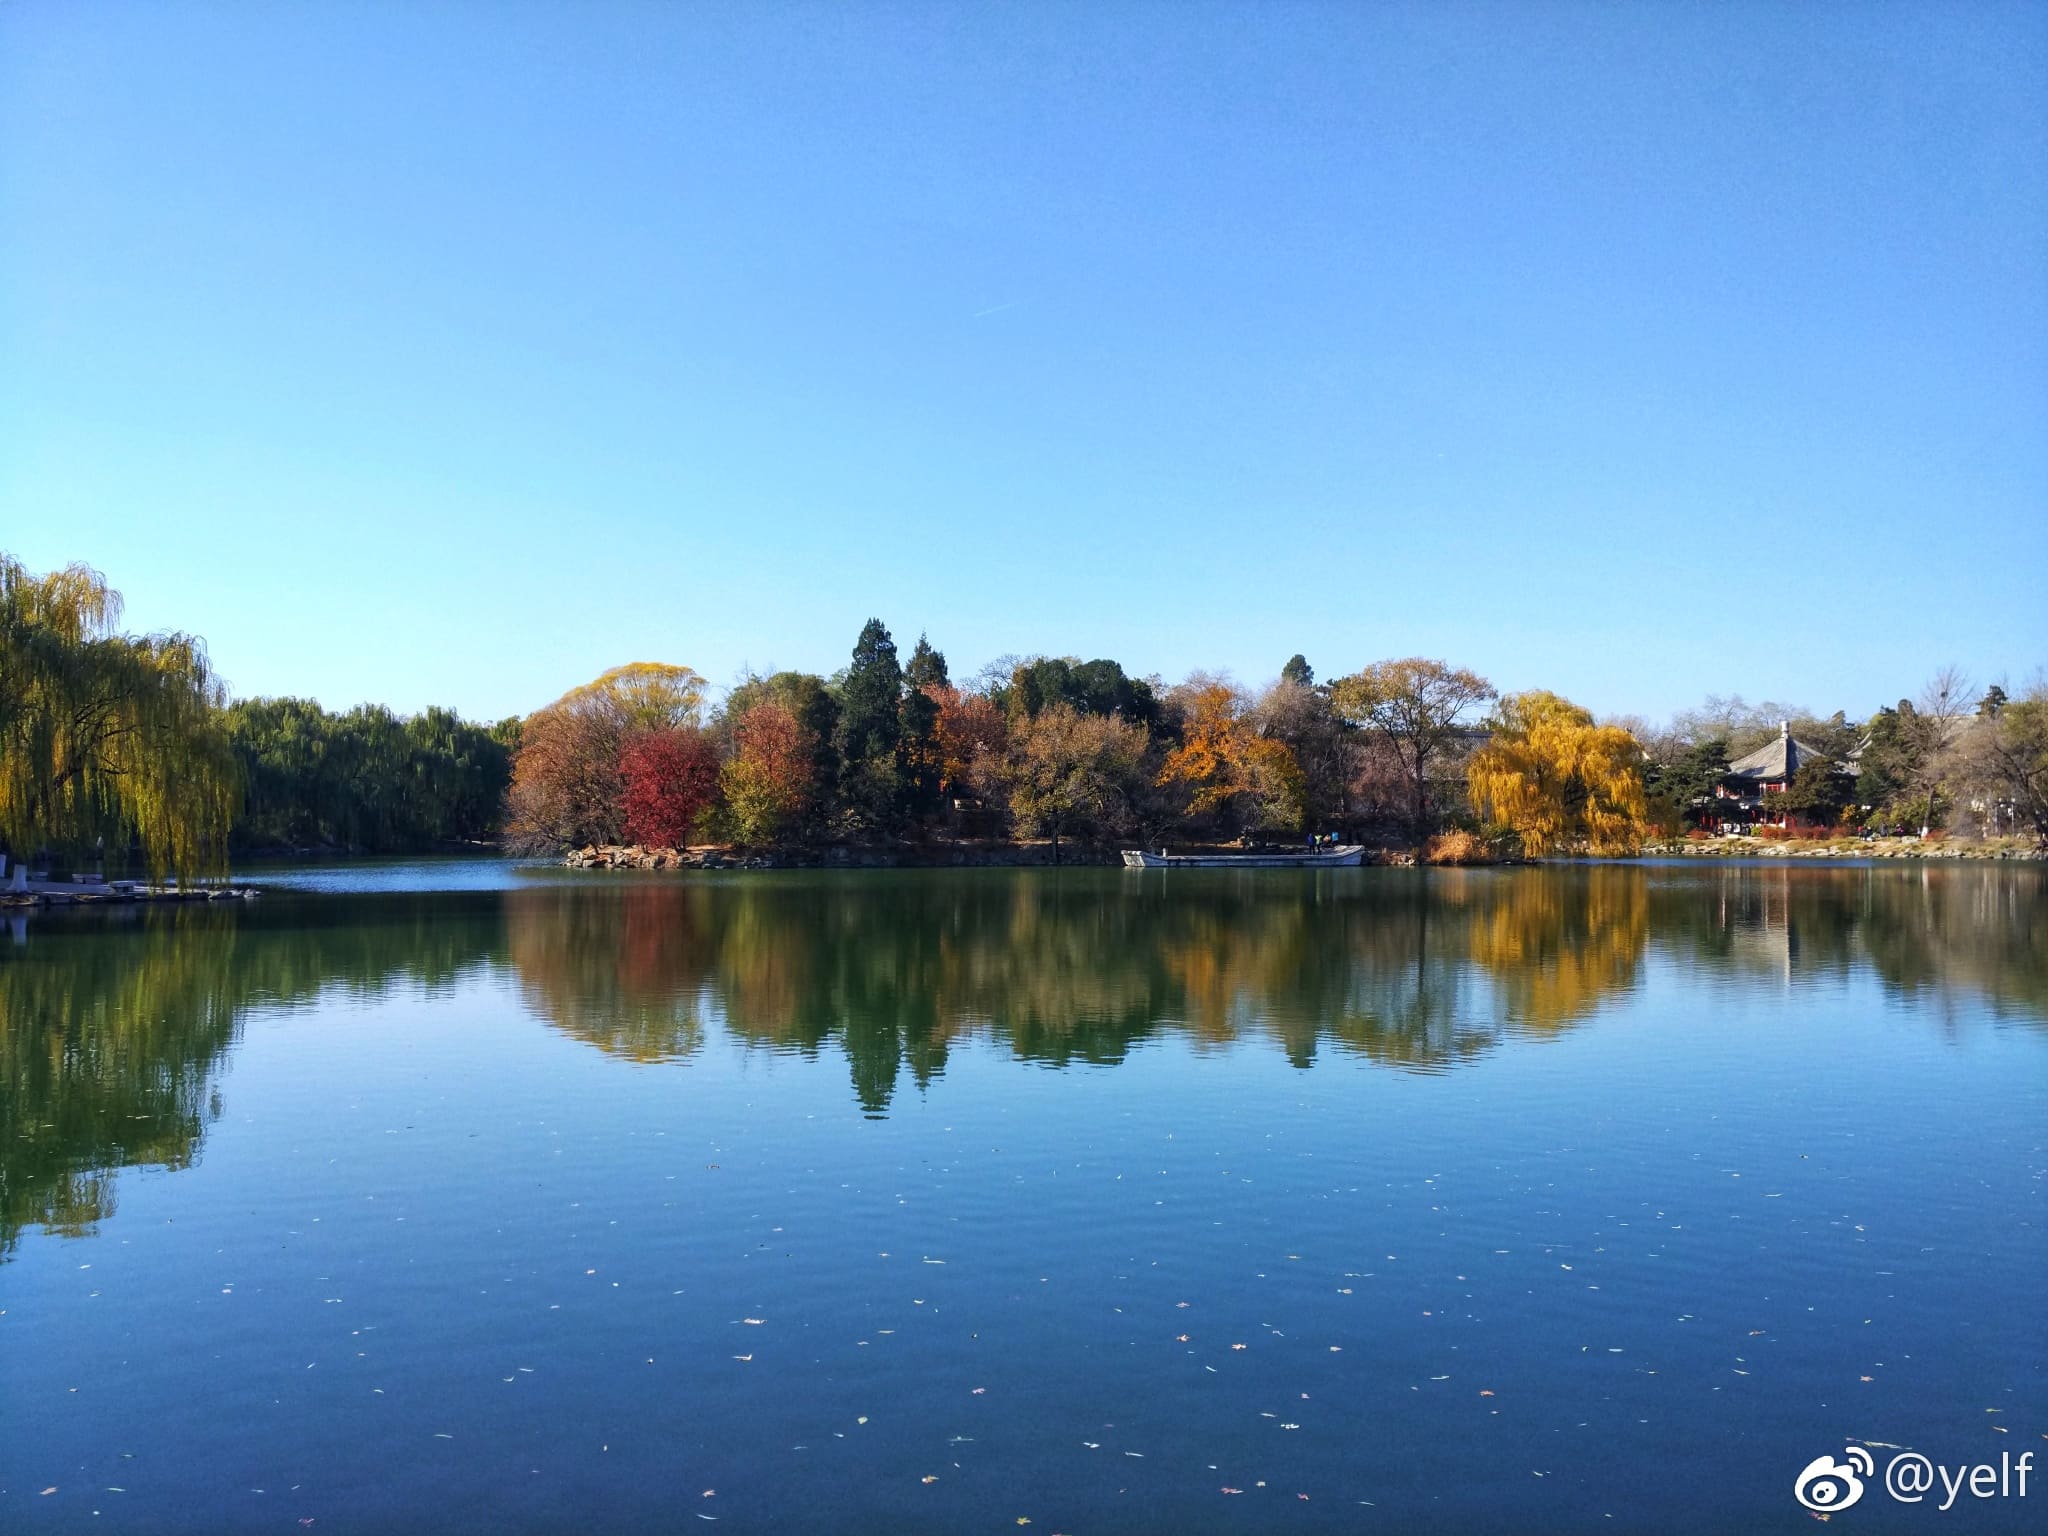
[[871, 730], [927, 668]]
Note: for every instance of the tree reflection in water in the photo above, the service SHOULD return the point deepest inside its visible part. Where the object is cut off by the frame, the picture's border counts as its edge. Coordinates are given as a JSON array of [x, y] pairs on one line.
[[113, 1025]]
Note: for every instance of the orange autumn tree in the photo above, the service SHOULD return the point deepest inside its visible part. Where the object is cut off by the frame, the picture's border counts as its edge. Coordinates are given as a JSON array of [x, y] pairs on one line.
[[767, 780], [1227, 769], [1558, 781], [973, 735]]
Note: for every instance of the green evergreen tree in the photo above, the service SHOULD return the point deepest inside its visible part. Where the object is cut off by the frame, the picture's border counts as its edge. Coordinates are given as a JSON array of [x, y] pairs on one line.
[[1817, 793], [1099, 687], [1890, 757], [1672, 787], [871, 781], [927, 667], [922, 760]]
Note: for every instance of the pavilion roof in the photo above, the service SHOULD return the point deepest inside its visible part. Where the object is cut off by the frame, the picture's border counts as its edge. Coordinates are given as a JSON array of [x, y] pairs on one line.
[[1777, 760]]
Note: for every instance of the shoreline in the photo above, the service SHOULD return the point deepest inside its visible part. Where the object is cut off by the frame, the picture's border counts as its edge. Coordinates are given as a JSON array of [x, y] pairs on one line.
[[1991, 850], [1039, 855], [629, 858], [975, 855]]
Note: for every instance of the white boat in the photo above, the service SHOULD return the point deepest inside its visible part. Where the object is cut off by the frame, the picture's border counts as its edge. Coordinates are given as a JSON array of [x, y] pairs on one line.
[[1343, 856]]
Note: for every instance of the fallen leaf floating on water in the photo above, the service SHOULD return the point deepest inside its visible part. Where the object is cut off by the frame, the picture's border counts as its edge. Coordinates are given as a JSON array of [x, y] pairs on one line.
[[753, 1322], [928, 1478]]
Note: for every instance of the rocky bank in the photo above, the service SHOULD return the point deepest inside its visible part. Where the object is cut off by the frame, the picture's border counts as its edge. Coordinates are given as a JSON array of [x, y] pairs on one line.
[[843, 856]]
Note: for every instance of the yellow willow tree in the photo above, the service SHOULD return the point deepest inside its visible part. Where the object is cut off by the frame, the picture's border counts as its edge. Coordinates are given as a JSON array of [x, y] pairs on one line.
[[1558, 781], [106, 736], [640, 696]]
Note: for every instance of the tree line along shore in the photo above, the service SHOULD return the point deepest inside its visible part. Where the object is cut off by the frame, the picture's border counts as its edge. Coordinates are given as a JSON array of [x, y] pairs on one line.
[[124, 752]]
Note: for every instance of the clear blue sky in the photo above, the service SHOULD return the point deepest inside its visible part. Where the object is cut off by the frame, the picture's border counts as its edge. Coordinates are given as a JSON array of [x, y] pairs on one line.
[[451, 353]]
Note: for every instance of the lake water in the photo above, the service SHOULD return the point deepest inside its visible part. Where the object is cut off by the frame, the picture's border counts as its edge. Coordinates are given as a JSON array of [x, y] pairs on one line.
[[453, 1197]]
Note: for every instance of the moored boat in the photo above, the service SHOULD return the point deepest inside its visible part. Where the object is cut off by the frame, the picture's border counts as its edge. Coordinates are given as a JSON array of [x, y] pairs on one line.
[[1343, 856]]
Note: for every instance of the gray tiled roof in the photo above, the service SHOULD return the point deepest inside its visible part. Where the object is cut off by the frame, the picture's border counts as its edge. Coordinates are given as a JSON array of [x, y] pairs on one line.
[[1775, 761]]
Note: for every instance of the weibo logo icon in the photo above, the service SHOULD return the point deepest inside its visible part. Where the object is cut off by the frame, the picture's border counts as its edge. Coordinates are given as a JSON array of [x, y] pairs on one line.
[[1827, 1484]]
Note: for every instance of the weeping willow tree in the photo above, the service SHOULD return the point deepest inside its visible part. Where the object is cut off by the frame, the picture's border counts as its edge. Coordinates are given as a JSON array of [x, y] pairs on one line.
[[1558, 781], [106, 737]]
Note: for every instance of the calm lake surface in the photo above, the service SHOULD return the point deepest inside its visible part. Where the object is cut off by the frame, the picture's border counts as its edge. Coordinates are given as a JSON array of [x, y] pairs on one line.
[[451, 1197]]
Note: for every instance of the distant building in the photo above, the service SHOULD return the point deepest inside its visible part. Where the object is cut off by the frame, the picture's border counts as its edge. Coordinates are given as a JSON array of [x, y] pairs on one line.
[[1739, 797]]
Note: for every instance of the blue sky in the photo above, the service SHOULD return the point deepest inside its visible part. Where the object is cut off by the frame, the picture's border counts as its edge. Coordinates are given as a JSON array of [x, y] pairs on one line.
[[452, 353]]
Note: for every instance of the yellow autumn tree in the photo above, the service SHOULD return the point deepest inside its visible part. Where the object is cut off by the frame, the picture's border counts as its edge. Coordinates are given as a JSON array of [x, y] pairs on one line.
[[640, 696], [1558, 781], [1071, 773]]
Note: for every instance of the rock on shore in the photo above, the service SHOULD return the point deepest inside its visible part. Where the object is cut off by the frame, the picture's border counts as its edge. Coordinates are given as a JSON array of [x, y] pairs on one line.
[[842, 856]]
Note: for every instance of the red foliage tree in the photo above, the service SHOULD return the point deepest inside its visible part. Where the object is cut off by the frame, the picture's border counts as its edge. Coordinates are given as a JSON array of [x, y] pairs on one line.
[[670, 777]]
